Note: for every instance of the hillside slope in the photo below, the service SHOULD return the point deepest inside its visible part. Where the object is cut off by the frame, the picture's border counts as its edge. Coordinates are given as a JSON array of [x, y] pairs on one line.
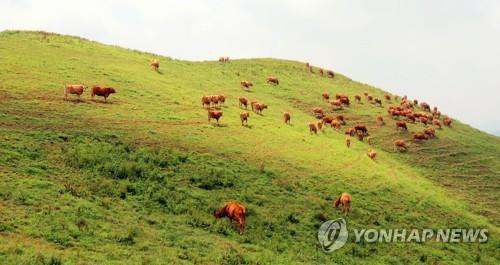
[[136, 180]]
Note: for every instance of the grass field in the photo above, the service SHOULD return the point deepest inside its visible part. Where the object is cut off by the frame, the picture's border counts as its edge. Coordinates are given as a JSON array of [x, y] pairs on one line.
[[135, 181]]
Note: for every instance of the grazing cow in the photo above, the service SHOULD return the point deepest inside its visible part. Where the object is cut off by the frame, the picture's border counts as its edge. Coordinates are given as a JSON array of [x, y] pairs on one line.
[[318, 112], [362, 129], [341, 118], [321, 73], [348, 141], [102, 91], [380, 120], [319, 124], [244, 117], [402, 125], [357, 98], [223, 59], [344, 200], [378, 102], [330, 73], [370, 98], [243, 101], [436, 123], [430, 132], [212, 114], [371, 154], [272, 80], [286, 117], [360, 135], [246, 84], [313, 128], [235, 212], [425, 106], [447, 122], [400, 144], [365, 93], [387, 97], [221, 99], [328, 119], [424, 120], [411, 117], [417, 137], [155, 64], [206, 100], [308, 65], [350, 131], [74, 89], [326, 96], [336, 104], [259, 107], [344, 100], [335, 124]]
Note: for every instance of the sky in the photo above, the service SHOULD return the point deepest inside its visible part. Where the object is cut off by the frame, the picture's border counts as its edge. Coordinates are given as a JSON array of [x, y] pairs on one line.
[[444, 52]]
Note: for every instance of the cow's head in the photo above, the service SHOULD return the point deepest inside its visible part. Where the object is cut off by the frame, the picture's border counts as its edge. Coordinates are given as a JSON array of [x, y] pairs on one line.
[[219, 213]]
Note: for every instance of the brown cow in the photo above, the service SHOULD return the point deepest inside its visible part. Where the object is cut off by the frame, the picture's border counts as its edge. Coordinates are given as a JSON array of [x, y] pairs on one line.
[[335, 124], [400, 144], [206, 100], [272, 80], [102, 92], [436, 123], [402, 125], [286, 117], [380, 120], [215, 100], [344, 100], [155, 64], [244, 117], [326, 96], [350, 131], [328, 119], [362, 129], [447, 122], [235, 212], [313, 128], [246, 84], [419, 137], [221, 99], [336, 104], [319, 124], [344, 200], [425, 106], [424, 120], [243, 101], [321, 73], [387, 97], [371, 154], [212, 114], [74, 89], [330, 73], [430, 131], [318, 112], [357, 98], [341, 118], [259, 107], [348, 141]]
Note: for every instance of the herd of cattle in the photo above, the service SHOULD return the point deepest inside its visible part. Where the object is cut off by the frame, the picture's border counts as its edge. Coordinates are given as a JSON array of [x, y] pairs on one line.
[[403, 113]]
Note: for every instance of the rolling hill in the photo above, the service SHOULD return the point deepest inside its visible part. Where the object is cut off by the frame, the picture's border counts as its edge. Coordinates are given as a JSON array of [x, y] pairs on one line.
[[136, 180]]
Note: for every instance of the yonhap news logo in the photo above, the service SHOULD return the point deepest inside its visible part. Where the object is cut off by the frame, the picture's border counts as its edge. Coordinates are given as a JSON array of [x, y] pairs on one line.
[[333, 234]]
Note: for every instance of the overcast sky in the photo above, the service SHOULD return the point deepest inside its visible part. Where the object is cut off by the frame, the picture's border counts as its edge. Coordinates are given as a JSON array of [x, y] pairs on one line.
[[444, 52]]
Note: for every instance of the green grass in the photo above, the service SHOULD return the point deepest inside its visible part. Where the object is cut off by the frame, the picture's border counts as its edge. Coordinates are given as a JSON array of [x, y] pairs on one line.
[[135, 181]]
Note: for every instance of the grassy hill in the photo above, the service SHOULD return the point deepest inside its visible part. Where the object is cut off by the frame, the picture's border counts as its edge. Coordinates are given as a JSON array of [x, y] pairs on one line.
[[135, 181]]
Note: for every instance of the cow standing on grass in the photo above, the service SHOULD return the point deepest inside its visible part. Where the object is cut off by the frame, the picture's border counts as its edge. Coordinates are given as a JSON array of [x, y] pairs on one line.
[[74, 89], [102, 91], [235, 212], [344, 200], [155, 64], [286, 117]]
